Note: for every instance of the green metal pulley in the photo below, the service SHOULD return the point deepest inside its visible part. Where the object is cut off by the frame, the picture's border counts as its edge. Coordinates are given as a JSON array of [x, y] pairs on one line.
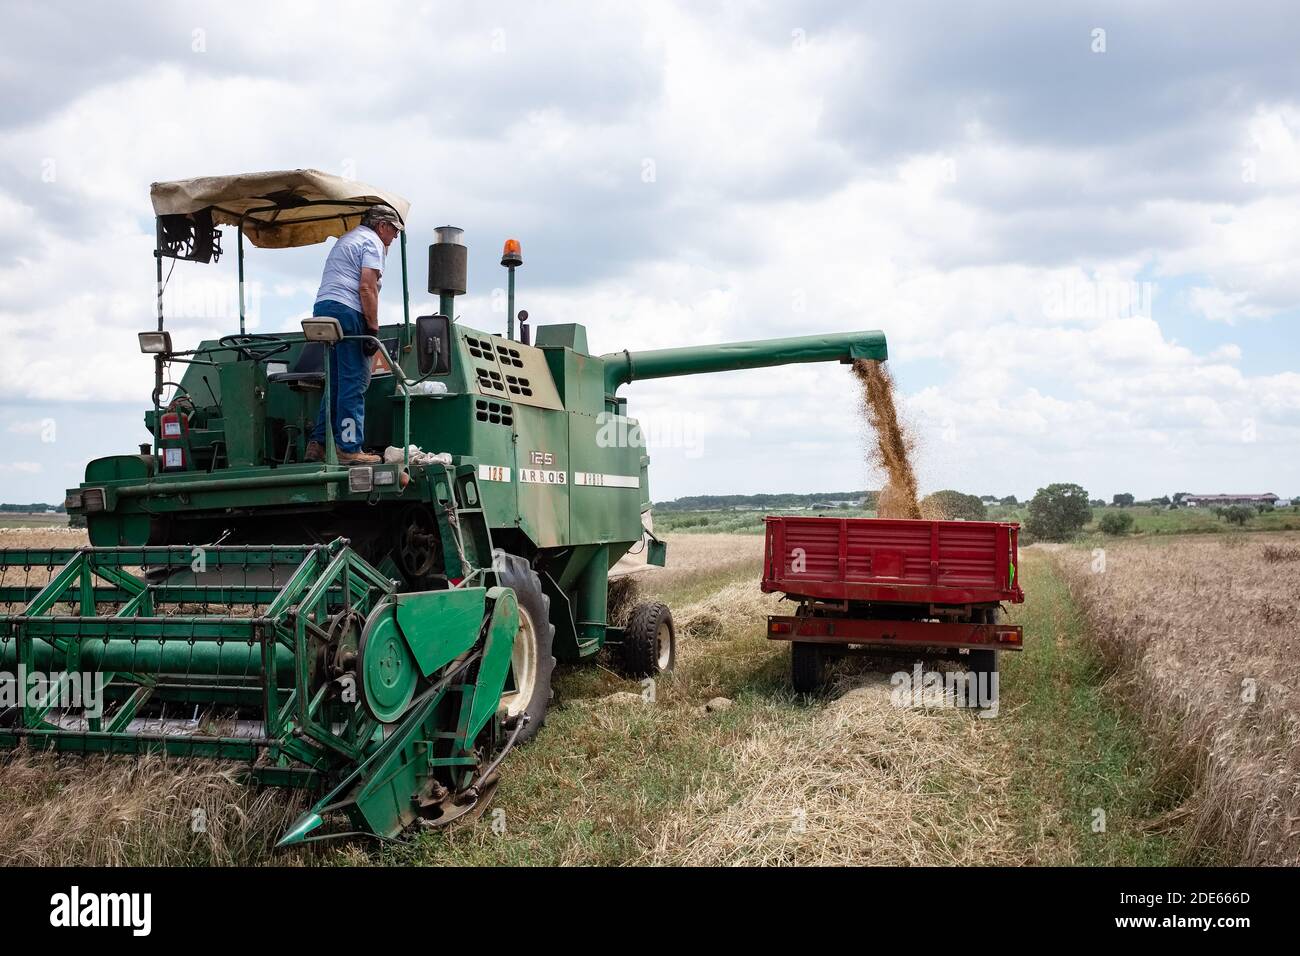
[[388, 672]]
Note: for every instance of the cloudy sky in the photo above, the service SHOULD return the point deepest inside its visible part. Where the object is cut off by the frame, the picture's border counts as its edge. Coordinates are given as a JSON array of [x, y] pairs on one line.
[[1077, 228]]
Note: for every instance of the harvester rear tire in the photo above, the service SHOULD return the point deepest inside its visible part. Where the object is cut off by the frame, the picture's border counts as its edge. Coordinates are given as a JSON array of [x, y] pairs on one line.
[[649, 643], [535, 618], [806, 669]]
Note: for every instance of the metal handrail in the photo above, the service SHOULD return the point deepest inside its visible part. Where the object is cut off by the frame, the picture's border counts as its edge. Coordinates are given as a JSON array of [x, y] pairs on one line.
[[398, 376]]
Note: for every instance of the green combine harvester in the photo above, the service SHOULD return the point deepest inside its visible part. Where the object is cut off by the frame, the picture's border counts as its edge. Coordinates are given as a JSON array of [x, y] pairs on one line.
[[382, 634]]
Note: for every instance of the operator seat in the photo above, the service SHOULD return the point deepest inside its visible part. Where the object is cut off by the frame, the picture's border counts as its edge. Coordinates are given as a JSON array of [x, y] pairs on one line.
[[307, 371]]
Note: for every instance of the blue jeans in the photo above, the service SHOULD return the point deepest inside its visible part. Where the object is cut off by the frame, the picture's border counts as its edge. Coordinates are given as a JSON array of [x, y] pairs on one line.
[[349, 379]]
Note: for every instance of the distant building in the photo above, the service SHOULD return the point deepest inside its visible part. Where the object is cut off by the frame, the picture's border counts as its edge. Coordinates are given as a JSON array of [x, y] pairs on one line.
[[1222, 500]]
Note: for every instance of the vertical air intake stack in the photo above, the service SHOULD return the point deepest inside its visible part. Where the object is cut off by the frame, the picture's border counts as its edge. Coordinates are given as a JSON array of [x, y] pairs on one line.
[[448, 267]]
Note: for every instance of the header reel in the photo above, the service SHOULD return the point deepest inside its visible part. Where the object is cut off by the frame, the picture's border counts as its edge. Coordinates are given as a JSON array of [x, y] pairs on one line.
[[303, 662]]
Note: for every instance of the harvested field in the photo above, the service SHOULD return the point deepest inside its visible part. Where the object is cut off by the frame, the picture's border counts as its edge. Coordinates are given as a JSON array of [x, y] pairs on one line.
[[762, 777], [701, 557], [46, 538], [42, 537], [857, 782], [1201, 634]]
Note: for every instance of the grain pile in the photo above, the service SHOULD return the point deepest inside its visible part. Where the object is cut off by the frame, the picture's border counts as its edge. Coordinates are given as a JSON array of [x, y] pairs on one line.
[[1202, 635], [891, 449]]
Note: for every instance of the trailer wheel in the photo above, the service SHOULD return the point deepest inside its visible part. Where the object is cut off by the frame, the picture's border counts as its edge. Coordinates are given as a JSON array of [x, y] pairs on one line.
[[531, 661], [984, 663], [649, 641], [806, 670]]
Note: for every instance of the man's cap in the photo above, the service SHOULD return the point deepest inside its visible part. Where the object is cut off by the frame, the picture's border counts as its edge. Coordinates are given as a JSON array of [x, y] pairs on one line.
[[382, 214]]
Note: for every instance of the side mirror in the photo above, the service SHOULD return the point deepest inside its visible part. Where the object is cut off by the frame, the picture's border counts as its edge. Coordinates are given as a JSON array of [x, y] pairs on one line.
[[433, 344]]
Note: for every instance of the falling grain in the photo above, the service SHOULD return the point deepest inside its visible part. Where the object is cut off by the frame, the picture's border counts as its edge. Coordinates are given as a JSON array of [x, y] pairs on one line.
[[892, 449]]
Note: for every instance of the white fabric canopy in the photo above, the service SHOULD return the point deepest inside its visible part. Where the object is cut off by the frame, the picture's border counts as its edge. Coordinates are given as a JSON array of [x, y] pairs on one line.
[[289, 223]]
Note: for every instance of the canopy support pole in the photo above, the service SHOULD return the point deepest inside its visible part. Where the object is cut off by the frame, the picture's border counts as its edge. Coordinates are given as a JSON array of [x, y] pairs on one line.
[[157, 359], [239, 245], [406, 299]]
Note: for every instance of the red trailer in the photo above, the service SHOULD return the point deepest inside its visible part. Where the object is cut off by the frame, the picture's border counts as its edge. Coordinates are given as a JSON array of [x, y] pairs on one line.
[[897, 584]]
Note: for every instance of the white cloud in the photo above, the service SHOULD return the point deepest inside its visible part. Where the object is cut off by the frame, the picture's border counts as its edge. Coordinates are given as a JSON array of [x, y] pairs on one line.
[[35, 427], [1226, 307], [1017, 266]]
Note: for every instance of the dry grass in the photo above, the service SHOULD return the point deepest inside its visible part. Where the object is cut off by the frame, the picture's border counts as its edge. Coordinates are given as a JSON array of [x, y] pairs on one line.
[[711, 618], [1202, 636], [624, 594], [42, 537], [852, 781], [695, 556], [1276, 553], [35, 538], [115, 811], [857, 782], [110, 811]]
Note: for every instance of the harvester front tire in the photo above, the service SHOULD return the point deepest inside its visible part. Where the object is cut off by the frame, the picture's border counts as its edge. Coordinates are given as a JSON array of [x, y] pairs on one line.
[[649, 643], [806, 667], [536, 627]]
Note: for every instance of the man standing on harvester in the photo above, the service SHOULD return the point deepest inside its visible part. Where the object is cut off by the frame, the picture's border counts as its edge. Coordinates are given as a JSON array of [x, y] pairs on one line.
[[349, 292]]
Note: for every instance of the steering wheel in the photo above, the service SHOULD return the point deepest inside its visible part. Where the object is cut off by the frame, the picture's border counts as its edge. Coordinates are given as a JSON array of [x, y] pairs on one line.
[[254, 347]]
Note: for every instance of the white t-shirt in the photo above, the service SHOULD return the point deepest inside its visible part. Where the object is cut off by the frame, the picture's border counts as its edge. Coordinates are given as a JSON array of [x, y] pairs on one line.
[[357, 249]]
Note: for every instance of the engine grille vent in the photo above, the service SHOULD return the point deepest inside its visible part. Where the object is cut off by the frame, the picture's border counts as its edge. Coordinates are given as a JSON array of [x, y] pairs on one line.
[[509, 356], [493, 413], [490, 378], [519, 385]]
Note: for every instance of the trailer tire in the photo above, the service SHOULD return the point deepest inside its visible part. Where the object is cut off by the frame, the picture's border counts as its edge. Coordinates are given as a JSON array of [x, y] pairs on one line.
[[806, 667], [536, 657], [649, 643], [984, 663]]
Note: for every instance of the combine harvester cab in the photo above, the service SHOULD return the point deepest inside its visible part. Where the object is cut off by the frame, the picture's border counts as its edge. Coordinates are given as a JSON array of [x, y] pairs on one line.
[[381, 633]]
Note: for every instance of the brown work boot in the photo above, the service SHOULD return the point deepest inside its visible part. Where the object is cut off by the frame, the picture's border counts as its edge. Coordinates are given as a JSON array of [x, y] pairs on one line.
[[315, 451], [358, 458]]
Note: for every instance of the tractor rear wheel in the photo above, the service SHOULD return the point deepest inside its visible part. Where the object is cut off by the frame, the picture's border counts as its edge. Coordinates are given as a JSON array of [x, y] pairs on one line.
[[649, 641], [806, 671], [532, 662]]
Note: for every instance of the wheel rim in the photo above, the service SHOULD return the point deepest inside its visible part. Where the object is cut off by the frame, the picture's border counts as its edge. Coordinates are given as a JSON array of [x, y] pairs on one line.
[[665, 639], [523, 667]]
